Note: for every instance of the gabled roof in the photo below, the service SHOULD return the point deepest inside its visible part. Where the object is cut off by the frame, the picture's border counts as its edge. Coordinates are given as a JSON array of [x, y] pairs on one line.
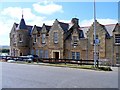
[[107, 35], [38, 28], [109, 28], [80, 32], [117, 28], [48, 27], [64, 26], [16, 24]]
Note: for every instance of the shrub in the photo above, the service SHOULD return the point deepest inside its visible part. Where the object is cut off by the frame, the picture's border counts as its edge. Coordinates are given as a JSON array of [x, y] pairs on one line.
[[105, 68]]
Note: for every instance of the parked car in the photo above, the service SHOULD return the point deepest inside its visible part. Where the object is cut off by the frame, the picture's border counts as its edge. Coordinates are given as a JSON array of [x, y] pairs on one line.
[[11, 60], [33, 58], [22, 58]]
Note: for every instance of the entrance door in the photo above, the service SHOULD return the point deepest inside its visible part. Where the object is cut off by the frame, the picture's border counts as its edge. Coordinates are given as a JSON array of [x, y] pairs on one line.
[[20, 54], [57, 55]]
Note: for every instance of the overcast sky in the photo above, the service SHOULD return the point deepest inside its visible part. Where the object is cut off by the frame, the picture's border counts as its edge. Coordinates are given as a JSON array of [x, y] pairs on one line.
[[37, 13]]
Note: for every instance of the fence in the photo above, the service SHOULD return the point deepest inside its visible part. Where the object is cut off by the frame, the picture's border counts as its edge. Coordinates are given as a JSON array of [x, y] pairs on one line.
[[58, 61], [68, 61]]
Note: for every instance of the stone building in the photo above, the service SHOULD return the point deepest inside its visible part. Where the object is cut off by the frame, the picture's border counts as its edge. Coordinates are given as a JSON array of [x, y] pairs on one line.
[[62, 40]]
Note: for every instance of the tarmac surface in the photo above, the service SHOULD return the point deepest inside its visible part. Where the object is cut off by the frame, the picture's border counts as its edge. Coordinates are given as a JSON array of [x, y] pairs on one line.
[[40, 76]]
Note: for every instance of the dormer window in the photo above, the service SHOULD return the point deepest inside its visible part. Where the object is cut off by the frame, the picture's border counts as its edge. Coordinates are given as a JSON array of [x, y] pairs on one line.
[[117, 38], [34, 38], [55, 37], [43, 38], [20, 37], [75, 38], [13, 38]]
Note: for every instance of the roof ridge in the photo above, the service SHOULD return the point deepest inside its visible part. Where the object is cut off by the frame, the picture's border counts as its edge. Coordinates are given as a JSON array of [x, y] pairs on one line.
[[63, 22], [101, 24]]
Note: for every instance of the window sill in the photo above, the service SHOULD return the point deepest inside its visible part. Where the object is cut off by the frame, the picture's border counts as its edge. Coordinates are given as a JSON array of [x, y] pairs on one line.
[[117, 44], [20, 41], [55, 42]]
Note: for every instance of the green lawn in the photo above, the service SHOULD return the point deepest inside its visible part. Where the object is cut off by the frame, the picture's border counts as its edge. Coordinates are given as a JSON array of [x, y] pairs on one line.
[[90, 67]]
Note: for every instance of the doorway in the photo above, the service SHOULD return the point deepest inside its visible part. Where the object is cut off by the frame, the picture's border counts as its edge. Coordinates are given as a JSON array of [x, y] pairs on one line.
[[56, 55]]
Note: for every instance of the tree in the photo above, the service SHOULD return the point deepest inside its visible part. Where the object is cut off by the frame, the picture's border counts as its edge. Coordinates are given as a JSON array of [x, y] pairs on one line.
[[5, 50]]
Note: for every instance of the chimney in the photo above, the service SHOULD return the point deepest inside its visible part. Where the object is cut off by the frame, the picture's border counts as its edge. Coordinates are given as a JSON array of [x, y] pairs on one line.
[[75, 21]]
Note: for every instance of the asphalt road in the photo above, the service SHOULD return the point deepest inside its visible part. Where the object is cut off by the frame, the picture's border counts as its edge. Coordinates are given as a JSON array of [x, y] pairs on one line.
[[39, 76]]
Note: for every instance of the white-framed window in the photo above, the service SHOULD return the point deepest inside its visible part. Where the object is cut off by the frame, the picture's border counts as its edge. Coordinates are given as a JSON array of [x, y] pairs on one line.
[[38, 39], [32, 51], [34, 38], [75, 38], [46, 54], [37, 52], [20, 37], [76, 55], [55, 37], [117, 38], [73, 55], [13, 38], [43, 38], [75, 41], [117, 57], [41, 53]]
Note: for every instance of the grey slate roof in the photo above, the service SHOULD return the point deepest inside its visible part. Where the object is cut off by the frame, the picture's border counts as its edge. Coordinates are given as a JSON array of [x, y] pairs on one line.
[[38, 28], [117, 27], [64, 26], [29, 29], [80, 32], [22, 25], [48, 27], [109, 28], [16, 24]]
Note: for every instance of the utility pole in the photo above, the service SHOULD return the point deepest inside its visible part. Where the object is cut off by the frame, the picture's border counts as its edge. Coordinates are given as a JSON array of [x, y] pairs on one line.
[[94, 35]]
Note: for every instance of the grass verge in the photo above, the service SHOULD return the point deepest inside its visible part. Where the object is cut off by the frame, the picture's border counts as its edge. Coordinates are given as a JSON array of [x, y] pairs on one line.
[[90, 67]]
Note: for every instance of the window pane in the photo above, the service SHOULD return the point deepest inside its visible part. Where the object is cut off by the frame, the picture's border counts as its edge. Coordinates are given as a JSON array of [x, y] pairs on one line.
[[20, 37], [117, 38], [46, 54], [32, 51], [34, 38], [55, 37], [77, 55], [73, 55], [43, 38], [37, 52], [75, 38], [41, 53]]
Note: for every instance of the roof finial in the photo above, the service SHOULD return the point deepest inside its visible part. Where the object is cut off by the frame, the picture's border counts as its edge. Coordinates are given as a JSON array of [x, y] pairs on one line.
[[22, 13]]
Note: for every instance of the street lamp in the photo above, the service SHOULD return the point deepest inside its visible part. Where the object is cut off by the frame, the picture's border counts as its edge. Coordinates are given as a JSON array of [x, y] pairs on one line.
[[94, 35]]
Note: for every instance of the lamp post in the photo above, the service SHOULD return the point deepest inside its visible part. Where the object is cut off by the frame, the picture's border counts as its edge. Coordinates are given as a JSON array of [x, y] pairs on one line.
[[94, 35]]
